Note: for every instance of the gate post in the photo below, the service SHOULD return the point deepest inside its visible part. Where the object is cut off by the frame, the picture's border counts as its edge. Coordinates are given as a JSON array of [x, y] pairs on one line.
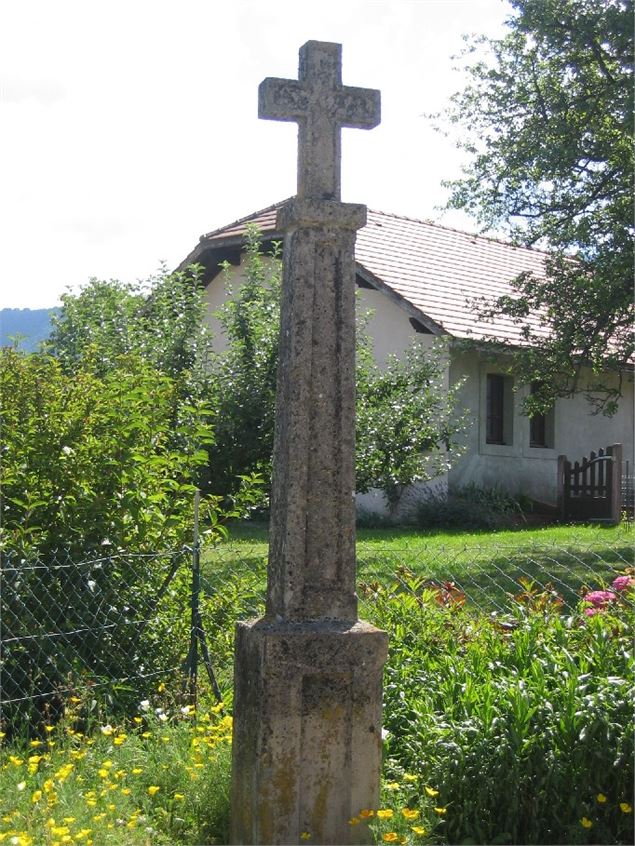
[[615, 482], [562, 460]]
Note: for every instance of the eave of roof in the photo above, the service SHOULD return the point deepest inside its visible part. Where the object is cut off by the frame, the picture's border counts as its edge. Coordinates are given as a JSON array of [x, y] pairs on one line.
[[434, 272]]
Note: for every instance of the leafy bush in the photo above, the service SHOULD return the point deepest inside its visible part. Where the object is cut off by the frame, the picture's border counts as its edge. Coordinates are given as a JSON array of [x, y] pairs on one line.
[[523, 724], [470, 507]]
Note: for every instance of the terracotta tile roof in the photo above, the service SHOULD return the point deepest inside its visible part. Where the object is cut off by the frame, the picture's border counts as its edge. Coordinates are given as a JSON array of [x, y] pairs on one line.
[[437, 270]]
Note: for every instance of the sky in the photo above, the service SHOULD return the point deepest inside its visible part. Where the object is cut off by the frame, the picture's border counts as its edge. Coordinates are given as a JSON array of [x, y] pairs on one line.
[[129, 129]]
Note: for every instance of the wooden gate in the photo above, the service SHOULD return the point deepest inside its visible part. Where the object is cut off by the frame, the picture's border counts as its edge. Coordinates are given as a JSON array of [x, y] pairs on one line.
[[591, 489]]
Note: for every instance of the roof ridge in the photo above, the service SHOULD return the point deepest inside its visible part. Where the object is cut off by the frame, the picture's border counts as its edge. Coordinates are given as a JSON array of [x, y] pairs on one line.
[[244, 219], [427, 222]]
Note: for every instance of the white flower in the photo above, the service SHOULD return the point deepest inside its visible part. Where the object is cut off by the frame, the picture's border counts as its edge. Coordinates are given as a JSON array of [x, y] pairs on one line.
[[107, 729], [163, 717], [22, 785], [67, 450], [145, 704], [385, 734]]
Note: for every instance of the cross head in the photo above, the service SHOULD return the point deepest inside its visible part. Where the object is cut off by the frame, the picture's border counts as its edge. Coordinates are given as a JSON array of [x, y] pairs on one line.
[[321, 106]]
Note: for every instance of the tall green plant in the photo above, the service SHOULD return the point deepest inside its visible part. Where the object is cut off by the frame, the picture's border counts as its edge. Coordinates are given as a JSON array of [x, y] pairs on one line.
[[523, 724]]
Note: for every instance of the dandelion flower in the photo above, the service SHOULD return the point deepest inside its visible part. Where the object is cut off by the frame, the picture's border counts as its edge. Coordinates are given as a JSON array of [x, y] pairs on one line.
[[585, 822], [390, 837], [384, 813], [601, 798], [625, 808], [410, 813], [153, 789], [431, 791], [37, 795]]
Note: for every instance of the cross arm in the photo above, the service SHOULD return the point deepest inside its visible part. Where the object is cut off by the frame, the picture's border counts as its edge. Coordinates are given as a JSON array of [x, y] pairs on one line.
[[281, 99], [358, 108]]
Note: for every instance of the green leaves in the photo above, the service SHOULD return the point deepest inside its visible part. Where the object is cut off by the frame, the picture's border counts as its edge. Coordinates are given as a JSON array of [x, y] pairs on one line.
[[89, 457], [547, 120]]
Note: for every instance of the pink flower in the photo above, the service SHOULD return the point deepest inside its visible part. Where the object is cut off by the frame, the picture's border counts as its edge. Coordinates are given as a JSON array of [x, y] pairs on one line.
[[623, 583], [591, 612], [600, 598]]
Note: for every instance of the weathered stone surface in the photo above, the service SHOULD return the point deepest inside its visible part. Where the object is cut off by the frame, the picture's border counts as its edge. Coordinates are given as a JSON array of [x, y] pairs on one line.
[[312, 545], [308, 696], [321, 106]]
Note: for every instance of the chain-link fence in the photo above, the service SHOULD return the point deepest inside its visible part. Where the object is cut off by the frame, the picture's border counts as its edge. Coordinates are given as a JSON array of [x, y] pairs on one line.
[[488, 572], [116, 624], [111, 625]]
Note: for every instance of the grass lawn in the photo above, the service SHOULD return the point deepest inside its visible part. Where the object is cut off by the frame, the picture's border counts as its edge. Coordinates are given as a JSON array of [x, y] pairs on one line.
[[487, 566]]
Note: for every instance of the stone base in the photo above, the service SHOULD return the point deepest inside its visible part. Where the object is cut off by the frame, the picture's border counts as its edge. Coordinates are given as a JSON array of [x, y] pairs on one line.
[[307, 731]]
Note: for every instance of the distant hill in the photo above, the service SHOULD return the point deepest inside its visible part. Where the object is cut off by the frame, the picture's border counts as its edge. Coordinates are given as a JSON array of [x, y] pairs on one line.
[[34, 324]]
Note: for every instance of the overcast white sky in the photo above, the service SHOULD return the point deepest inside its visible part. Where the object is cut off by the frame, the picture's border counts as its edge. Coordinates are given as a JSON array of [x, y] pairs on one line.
[[130, 128]]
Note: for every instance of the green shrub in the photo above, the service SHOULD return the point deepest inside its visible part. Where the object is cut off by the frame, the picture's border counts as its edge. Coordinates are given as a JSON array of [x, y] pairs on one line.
[[470, 507], [522, 724]]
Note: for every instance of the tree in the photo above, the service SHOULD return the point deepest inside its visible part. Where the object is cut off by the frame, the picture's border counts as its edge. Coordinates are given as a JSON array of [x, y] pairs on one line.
[[406, 422], [547, 120], [161, 320]]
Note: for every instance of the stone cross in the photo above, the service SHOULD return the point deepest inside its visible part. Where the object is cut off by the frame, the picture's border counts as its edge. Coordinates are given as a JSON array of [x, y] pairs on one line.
[[307, 695], [321, 106]]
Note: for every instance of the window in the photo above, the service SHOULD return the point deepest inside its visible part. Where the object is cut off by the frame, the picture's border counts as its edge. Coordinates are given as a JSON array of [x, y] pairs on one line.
[[541, 426], [499, 409]]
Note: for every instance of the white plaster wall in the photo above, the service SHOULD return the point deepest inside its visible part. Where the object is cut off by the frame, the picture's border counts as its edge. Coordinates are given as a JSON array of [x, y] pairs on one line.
[[517, 467]]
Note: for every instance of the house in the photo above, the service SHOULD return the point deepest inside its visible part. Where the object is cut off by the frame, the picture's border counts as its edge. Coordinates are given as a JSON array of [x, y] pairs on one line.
[[420, 280]]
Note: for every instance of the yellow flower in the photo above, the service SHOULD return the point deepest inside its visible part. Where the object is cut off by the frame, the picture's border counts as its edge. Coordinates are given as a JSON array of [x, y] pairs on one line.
[[137, 771], [367, 812], [390, 837], [625, 808], [440, 811], [410, 813], [103, 773], [392, 785], [431, 791], [305, 836], [418, 829], [354, 821], [179, 797], [384, 813], [138, 720], [161, 687], [119, 739], [146, 734], [35, 743], [15, 760], [601, 798], [153, 789], [76, 699], [37, 795], [585, 823], [49, 729], [409, 777]]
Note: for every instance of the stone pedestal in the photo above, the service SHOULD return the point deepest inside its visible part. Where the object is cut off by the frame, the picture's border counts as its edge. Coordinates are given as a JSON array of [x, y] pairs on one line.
[[308, 712]]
